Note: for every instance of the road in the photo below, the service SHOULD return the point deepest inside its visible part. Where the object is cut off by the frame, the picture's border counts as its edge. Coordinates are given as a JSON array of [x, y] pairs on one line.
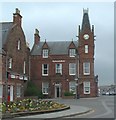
[[103, 106]]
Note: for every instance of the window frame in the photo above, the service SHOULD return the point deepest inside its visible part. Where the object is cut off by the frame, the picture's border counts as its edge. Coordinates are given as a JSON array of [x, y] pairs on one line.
[[72, 68], [45, 53], [87, 87], [18, 91], [86, 49], [24, 67], [10, 62], [45, 88], [58, 70], [43, 69], [86, 69], [72, 52], [19, 45], [72, 84]]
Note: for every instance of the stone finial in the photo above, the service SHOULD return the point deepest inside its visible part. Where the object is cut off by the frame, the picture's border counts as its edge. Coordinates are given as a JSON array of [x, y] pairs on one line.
[[85, 10], [36, 31], [17, 11]]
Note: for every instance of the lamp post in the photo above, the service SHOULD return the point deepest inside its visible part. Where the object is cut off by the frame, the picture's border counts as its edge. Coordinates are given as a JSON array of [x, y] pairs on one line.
[[77, 75]]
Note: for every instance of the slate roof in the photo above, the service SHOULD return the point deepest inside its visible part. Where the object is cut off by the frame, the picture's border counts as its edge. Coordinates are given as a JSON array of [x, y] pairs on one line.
[[4, 29], [55, 47]]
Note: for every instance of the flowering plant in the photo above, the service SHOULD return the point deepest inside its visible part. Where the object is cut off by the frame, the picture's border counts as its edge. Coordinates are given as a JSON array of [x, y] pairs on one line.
[[29, 105]]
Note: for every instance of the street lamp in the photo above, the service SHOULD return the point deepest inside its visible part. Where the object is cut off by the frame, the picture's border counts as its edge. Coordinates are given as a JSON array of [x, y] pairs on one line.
[[77, 75]]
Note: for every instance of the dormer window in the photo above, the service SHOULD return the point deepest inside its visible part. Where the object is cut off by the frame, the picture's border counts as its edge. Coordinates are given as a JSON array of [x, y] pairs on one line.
[[45, 53], [72, 52], [19, 44]]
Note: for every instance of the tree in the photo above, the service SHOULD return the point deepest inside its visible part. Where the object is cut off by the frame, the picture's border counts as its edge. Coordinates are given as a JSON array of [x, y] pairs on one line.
[[32, 90]]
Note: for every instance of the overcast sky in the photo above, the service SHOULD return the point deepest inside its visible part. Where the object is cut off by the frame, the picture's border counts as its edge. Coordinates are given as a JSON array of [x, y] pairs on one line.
[[59, 21]]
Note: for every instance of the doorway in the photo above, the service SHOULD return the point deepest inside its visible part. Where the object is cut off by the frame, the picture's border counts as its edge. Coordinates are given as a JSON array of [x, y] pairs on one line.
[[57, 91]]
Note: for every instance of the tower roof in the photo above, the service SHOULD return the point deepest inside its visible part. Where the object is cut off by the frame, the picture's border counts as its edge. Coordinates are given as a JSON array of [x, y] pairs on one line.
[[85, 21]]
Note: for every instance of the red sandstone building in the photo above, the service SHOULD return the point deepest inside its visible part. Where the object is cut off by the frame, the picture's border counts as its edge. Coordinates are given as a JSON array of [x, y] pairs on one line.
[[61, 66], [14, 57], [55, 67]]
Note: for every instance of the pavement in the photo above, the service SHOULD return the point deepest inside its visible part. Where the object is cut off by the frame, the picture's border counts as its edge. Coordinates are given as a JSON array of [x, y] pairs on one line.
[[74, 110]]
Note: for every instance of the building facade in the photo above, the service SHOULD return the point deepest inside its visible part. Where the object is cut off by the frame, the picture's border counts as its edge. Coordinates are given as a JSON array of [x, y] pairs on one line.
[[15, 59], [57, 67]]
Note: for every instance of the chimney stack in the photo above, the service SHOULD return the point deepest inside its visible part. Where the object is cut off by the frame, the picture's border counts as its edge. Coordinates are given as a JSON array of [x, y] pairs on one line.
[[17, 18], [36, 37]]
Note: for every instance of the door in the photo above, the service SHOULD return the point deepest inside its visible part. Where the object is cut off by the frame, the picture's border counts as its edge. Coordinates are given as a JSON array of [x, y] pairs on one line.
[[57, 91]]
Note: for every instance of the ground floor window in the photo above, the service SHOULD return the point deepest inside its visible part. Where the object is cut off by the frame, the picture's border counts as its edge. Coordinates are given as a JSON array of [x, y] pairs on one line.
[[1, 90], [18, 90], [86, 87], [72, 87], [45, 86]]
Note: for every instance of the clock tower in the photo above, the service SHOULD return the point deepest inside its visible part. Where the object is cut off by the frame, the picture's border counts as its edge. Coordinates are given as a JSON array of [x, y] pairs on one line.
[[87, 83]]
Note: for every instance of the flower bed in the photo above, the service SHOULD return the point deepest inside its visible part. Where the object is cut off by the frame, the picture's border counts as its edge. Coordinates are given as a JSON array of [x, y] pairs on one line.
[[28, 105]]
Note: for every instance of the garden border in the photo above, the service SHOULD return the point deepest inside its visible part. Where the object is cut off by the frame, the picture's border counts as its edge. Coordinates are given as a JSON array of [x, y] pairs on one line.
[[18, 114]]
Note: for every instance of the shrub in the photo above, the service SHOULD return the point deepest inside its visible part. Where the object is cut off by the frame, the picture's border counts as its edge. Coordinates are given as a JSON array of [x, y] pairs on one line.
[[67, 93]]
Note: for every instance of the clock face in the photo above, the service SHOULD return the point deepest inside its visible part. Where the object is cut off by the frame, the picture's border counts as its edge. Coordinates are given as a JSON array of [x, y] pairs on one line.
[[86, 36]]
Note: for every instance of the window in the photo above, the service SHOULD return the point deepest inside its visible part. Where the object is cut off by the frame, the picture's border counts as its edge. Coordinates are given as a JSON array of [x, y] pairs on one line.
[[86, 48], [18, 90], [86, 68], [45, 53], [45, 86], [10, 63], [72, 52], [86, 87], [24, 67], [45, 69], [72, 69], [72, 87], [19, 44], [59, 68], [1, 90]]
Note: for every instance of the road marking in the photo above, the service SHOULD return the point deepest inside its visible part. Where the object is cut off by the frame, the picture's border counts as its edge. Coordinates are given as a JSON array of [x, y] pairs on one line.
[[106, 113]]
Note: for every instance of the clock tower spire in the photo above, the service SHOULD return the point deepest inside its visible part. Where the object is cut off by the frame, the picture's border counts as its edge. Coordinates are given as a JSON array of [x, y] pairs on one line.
[[85, 21]]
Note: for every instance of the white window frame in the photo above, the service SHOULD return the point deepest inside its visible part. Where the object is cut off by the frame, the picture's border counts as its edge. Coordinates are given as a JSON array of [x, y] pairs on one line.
[[72, 69], [45, 88], [86, 68], [10, 63], [1, 90], [59, 68], [45, 53], [72, 86], [18, 91], [43, 69], [24, 67], [19, 45], [86, 87], [86, 48], [72, 52]]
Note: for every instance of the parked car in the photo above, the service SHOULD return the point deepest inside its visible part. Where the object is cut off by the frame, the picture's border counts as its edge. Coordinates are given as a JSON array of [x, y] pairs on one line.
[[107, 93]]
